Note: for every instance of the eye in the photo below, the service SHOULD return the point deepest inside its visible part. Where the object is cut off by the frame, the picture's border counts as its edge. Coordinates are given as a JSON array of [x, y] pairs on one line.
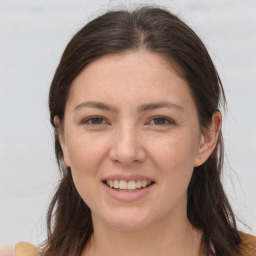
[[94, 120], [160, 120]]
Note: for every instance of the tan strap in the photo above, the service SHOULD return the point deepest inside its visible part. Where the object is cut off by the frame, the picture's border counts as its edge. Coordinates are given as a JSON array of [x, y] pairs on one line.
[[26, 249], [248, 245]]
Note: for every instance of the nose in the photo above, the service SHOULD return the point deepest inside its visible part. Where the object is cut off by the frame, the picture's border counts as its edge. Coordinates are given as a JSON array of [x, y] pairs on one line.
[[126, 146]]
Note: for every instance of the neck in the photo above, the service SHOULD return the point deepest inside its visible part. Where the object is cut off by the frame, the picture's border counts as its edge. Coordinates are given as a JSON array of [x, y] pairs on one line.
[[165, 238]]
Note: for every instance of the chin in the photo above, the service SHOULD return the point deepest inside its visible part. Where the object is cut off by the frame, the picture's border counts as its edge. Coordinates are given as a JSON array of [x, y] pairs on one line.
[[126, 220], [128, 224]]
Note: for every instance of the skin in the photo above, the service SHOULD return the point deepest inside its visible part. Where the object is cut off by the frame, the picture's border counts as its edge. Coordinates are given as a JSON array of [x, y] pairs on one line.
[[127, 140]]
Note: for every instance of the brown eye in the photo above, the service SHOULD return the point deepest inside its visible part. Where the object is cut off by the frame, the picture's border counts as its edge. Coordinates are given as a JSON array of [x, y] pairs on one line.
[[95, 120], [160, 121]]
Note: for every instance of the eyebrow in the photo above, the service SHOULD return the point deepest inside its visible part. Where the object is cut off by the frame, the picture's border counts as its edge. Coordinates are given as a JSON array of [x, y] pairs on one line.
[[96, 104], [142, 108], [163, 104]]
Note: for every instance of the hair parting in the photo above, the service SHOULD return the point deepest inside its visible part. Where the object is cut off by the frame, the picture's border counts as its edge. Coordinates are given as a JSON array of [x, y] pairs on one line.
[[157, 31]]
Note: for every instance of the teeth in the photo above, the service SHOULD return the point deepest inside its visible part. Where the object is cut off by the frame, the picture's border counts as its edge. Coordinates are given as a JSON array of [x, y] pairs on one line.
[[144, 183], [116, 184], [123, 184], [130, 185], [138, 184], [111, 183]]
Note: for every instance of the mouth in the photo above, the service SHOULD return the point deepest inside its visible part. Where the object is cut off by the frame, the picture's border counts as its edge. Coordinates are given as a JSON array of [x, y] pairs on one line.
[[128, 186]]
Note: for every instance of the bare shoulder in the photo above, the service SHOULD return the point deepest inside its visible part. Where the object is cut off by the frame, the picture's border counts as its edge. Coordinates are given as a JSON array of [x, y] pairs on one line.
[[7, 250], [248, 245]]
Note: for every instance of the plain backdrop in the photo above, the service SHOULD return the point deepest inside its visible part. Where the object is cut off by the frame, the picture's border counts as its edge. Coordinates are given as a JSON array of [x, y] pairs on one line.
[[33, 35]]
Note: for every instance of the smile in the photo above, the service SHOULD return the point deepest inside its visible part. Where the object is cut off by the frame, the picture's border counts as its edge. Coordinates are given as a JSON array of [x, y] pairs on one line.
[[128, 186]]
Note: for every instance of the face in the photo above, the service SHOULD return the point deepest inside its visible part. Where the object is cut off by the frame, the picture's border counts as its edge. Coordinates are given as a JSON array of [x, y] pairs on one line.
[[132, 138]]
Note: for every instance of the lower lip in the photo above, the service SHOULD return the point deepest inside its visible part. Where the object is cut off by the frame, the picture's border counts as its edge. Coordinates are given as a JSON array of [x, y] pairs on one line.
[[128, 196]]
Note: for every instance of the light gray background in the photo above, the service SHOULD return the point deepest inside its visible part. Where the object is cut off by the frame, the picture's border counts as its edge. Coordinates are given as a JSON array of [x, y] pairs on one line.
[[33, 35]]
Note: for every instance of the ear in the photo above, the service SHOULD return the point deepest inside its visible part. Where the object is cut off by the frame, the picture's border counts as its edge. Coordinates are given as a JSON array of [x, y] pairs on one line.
[[60, 133], [208, 140]]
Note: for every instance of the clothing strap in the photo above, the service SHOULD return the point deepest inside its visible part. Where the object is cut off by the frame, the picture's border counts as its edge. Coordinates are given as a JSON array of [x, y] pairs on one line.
[[26, 249], [248, 245]]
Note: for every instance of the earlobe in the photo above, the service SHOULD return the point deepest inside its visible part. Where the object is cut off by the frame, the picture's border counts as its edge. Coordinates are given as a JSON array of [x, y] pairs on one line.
[[209, 138], [60, 133]]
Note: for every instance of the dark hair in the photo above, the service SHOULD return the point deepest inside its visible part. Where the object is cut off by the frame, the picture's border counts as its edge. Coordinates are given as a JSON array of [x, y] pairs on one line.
[[155, 30]]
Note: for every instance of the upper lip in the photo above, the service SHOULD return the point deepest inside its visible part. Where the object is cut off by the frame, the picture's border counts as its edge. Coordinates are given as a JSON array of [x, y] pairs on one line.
[[127, 177]]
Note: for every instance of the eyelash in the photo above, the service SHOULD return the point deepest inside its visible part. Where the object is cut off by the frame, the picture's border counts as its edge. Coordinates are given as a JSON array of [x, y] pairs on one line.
[[90, 120], [162, 118]]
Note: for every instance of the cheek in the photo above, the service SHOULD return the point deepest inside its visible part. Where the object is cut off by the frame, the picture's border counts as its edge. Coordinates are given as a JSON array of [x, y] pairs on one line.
[[85, 160], [85, 155], [175, 152], [174, 158]]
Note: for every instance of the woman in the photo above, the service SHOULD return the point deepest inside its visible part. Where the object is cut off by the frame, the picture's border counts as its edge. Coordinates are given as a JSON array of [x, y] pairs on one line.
[[135, 108]]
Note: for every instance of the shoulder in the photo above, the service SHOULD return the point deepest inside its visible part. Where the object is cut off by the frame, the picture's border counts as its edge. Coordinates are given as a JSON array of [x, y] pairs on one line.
[[7, 250], [248, 245]]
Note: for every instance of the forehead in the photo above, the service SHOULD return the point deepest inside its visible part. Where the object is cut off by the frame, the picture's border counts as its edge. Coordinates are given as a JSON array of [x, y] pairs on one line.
[[134, 76]]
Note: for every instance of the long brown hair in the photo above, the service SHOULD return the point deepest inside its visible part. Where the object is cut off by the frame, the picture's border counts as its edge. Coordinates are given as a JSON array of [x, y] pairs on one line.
[[155, 30]]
